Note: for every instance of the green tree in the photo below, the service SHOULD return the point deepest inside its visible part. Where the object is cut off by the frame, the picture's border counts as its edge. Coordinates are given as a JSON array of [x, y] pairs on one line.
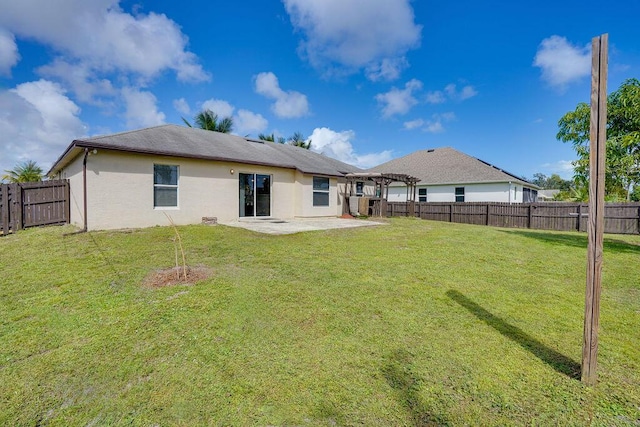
[[271, 138], [556, 182], [28, 171], [623, 140], [553, 182], [539, 179], [208, 120], [297, 139]]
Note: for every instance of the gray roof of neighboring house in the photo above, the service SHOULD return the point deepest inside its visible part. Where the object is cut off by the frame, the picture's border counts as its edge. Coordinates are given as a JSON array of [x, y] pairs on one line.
[[446, 165], [547, 194], [180, 141]]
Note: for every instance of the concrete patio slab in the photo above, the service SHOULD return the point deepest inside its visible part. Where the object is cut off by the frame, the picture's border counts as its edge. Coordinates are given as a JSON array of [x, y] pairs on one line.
[[297, 225]]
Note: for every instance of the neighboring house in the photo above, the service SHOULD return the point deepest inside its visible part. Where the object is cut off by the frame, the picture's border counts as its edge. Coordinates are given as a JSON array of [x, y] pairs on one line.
[[448, 175], [131, 179], [547, 195]]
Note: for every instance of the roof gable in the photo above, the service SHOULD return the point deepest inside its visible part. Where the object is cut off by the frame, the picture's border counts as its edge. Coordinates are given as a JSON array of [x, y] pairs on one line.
[[446, 165]]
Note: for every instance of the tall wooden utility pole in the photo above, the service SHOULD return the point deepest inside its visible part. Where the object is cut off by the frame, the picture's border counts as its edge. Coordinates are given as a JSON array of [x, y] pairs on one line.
[[597, 157]]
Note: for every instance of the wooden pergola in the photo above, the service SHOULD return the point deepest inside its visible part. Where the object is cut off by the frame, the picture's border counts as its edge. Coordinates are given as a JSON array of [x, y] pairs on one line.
[[381, 182]]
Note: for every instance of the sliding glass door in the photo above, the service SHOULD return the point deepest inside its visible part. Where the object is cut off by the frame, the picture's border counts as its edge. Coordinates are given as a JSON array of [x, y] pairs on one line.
[[255, 195]]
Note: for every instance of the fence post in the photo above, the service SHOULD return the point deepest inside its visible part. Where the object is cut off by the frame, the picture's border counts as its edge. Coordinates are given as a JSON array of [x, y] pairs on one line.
[[18, 210], [451, 212], [597, 160], [488, 212], [530, 215], [4, 208], [67, 202], [11, 208], [579, 216]]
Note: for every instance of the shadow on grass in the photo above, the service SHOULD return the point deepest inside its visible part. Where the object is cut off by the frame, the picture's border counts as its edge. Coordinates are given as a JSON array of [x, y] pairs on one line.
[[577, 240], [551, 357], [400, 376]]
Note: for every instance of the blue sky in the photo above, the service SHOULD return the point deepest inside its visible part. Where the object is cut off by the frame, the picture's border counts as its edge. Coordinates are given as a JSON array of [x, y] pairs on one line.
[[367, 80]]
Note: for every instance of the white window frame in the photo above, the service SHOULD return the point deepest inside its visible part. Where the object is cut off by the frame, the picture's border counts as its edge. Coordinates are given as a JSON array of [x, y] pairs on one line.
[[176, 186], [321, 191], [456, 195]]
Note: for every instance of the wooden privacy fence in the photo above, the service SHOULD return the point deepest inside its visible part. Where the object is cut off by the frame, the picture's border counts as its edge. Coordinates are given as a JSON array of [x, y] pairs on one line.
[[620, 218], [33, 204]]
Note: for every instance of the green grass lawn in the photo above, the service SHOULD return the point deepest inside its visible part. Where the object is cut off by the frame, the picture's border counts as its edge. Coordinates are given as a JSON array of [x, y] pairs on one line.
[[411, 323]]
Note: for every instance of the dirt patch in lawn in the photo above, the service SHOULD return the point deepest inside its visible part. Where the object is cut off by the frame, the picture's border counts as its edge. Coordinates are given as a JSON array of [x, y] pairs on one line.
[[176, 276]]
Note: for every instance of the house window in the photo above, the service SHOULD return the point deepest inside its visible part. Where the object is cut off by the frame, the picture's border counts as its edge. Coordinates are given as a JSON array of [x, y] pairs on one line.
[[529, 195], [165, 186], [459, 194], [359, 188], [320, 191], [422, 194]]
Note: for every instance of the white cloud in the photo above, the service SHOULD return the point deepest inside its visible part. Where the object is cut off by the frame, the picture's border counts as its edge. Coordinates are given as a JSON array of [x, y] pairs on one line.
[[436, 97], [37, 121], [182, 106], [467, 92], [564, 168], [399, 101], [80, 79], [99, 34], [561, 62], [266, 84], [413, 124], [102, 51], [289, 104], [247, 122], [294, 104], [350, 35], [58, 111], [433, 125], [448, 116], [388, 69], [220, 107], [338, 145], [9, 55], [141, 109], [450, 92]]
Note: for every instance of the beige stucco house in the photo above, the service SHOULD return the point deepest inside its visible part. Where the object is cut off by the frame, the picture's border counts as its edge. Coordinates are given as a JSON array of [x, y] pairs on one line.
[[132, 179]]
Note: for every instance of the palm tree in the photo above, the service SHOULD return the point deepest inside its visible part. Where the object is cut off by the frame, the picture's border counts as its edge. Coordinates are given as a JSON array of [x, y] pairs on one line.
[[298, 140], [28, 171], [208, 120], [271, 138]]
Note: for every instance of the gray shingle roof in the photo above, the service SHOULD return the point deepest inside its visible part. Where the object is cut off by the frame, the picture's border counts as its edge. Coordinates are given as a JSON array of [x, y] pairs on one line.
[[180, 141], [446, 165]]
